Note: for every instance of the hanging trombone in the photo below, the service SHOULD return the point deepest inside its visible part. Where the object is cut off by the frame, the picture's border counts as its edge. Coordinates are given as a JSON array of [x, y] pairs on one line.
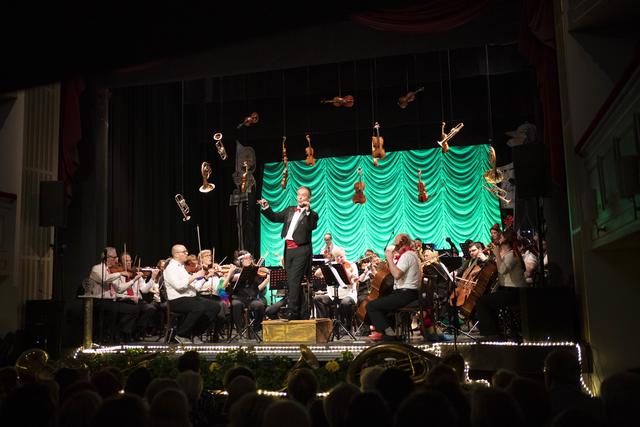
[[182, 205]]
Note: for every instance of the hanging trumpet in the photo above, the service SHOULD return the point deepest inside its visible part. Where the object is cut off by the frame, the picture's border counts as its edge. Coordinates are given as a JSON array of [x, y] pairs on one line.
[[498, 193], [445, 137], [182, 205], [493, 175], [205, 170], [217, 137]]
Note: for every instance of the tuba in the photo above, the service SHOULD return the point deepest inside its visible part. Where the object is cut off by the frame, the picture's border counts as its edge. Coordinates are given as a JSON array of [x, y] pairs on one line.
[[184, 208], [417, 363], [33, 365], [205, 170], [493, 175], [219, 146], [307, 360]]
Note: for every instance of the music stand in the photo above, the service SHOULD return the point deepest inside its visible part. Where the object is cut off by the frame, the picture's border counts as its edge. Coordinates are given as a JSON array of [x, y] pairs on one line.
[[329, 272], [247, 275]]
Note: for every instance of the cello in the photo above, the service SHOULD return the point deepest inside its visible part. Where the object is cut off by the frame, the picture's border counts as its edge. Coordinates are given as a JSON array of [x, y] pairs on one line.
[[381, 286], [475, 282]]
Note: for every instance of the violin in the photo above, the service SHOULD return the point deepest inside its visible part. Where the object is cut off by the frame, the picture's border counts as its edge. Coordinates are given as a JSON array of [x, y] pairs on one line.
[[310, 161], [249, 120], [377, 145], [359, 198], [263, 272], [285, 160], [243, 185], [403, 101], [422, 191], [337, 101]]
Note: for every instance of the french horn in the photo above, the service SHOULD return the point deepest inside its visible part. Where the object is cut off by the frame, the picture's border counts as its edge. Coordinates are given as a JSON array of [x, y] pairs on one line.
[[217, 137], [417, 363], [205, 170], [182, 205]]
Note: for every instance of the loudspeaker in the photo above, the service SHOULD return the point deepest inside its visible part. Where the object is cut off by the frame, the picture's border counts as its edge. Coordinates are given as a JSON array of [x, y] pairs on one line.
[[53, 209], [548, 314], [43, 324], [531, 168]]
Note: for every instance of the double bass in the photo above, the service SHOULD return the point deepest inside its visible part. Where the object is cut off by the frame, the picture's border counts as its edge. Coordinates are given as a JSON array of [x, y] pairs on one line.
[[473, 284], [359, 198]]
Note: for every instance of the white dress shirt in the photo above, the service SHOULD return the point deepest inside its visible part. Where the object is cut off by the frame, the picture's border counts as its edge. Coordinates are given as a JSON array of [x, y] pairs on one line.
[[96, 277], [294, 222], [345, 289], [176, 280]]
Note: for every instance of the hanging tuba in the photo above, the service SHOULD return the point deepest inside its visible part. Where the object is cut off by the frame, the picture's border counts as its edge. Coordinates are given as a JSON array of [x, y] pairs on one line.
[[417, 363], [182, 205], [494, 175], [205, 170]]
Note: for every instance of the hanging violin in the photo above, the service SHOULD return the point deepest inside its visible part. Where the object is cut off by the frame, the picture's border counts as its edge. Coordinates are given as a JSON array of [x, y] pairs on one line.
[[422, 191], [285, 160], [310, 161], [359, 198], [249, 120], [338, 101], [403, 101], [377, 145]]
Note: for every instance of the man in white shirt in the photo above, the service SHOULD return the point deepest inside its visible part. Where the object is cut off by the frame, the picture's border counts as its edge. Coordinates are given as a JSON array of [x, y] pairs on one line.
[[182, 295], [298, 222], [404, 266], [347, 292]]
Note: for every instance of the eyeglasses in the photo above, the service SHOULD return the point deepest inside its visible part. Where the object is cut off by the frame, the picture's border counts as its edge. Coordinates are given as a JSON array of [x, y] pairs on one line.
[[112, 256]]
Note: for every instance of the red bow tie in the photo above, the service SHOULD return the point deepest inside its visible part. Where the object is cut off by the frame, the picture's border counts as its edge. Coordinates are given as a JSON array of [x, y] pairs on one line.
[[298, 209]]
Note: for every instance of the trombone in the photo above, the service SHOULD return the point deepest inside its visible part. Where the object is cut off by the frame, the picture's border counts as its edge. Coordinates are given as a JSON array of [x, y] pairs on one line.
[[499, 193], [184, 208], [444, 143]]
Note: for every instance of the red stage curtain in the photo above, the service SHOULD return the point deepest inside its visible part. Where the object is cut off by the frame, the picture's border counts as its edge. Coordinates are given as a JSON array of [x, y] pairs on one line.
[[70, 132], [430, 17], [537, 43]]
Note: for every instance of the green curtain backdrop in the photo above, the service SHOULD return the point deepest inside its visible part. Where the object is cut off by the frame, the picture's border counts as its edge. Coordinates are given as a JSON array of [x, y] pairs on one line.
[[458, 206]]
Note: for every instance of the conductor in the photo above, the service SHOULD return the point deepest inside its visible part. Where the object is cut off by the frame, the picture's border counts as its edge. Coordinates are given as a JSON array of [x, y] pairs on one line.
[[298, 222]]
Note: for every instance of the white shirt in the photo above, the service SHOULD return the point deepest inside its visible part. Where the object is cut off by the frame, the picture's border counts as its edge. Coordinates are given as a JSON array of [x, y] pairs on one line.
[[409, 263], [345, 289], [511, 274], [96, 277], [176, 280], [294, 222]]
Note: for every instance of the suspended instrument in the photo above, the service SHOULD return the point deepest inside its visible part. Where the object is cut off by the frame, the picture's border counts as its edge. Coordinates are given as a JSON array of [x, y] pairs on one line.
[[493, 175], [337, 101], [243, 184], [359, 198], [285, 160], [422, 191], [182, 205], [205, 171], [310, 161], [415, 362], [377, 145], [403, 101], [445, 137], [498, 193], [217, 137], [250, 120]]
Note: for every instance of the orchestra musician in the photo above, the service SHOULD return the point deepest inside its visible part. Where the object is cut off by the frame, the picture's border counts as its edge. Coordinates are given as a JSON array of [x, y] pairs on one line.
[[404, 266], [327, 251], [246, 294], [182, 288], [121, 318], [510, 279], [129, 291], [347, 292], [298, 222]]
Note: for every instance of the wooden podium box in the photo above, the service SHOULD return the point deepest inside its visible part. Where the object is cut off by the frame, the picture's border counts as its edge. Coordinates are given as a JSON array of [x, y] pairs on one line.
[[297, 331]]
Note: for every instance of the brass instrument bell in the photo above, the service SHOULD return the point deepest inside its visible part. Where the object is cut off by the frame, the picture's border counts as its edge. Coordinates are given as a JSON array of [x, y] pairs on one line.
[[494, 175], [220, 146], [205, 170], [182, 205], [444, 143]]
